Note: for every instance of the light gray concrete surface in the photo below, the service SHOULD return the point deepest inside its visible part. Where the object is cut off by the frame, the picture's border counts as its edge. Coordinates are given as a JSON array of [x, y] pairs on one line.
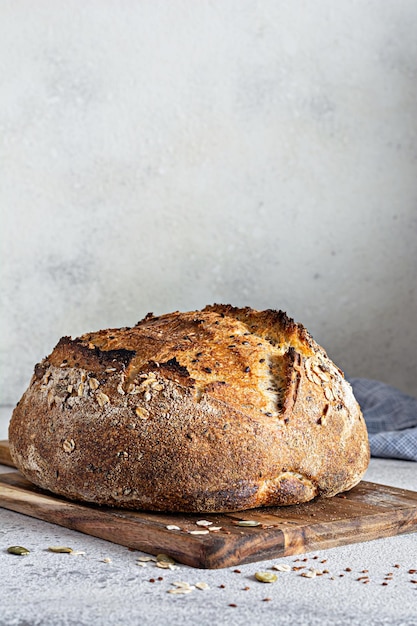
[[45, 589], [168, 154]]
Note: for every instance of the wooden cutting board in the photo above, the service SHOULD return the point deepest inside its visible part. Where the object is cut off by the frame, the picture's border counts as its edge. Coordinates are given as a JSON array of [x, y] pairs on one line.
[[369, 511]]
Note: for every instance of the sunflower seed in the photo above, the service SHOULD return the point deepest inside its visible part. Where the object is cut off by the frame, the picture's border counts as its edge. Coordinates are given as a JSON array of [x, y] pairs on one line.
[[324, 376], [215, 529], [248, 522], [93, 383], [281, 567], [142, 412], [204, 522], [172, 527], [180, 590], [102, 398], [199, 532], [328, 392], [201, 586], [69, 445]]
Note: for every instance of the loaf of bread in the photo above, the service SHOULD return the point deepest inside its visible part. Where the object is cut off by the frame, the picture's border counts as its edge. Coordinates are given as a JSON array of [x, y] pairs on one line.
[[215, 410]]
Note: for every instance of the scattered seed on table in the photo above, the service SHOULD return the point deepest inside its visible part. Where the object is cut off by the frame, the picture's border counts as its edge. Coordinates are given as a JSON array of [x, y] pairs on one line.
[[152, 580], [245, 588], [281, 567], [204, 522], [146, 559], [348, 569], [248, 523], [222, 586], [233, 605], [266, 599], [172, 527], [18, 550], [164, 558], [107, 560], [60, 549], [397, 566], [266, 577], [203, 586], [237, 571], [199, 532]]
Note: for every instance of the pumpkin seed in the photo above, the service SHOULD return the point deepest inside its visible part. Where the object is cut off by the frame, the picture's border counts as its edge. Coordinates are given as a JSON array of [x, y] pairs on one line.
[[20, 550], [60, 549], [266, 577], [164, 558], [248, 522]]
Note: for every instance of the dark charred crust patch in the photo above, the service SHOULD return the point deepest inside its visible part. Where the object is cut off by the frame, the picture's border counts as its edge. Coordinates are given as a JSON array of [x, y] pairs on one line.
[[77, 350], [173, 366], [293, 378], [115, 356], [148, 317], [40, 369]]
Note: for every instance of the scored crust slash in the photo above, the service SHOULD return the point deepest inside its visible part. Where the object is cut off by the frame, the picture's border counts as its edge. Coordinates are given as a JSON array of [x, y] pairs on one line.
[[216, 410]]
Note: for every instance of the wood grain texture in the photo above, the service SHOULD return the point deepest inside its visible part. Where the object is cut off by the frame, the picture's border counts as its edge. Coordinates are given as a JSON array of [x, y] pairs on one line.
[[369, 511], [5, 458]]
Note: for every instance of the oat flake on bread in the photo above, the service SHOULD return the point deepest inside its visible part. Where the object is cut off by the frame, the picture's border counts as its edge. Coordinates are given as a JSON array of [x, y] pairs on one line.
[[215, 410]]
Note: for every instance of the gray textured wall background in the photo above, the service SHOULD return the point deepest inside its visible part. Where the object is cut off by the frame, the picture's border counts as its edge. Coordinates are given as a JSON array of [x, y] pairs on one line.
[[161, 155]]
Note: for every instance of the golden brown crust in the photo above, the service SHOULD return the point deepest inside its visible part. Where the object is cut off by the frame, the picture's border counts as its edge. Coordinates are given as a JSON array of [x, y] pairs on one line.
[[213, 410]]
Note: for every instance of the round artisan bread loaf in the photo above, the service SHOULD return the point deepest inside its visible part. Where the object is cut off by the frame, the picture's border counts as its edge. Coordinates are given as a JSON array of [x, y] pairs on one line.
[[215, 410]]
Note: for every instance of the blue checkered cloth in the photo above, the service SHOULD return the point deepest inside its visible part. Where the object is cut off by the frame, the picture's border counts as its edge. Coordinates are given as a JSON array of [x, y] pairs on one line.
[[391, 419]]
